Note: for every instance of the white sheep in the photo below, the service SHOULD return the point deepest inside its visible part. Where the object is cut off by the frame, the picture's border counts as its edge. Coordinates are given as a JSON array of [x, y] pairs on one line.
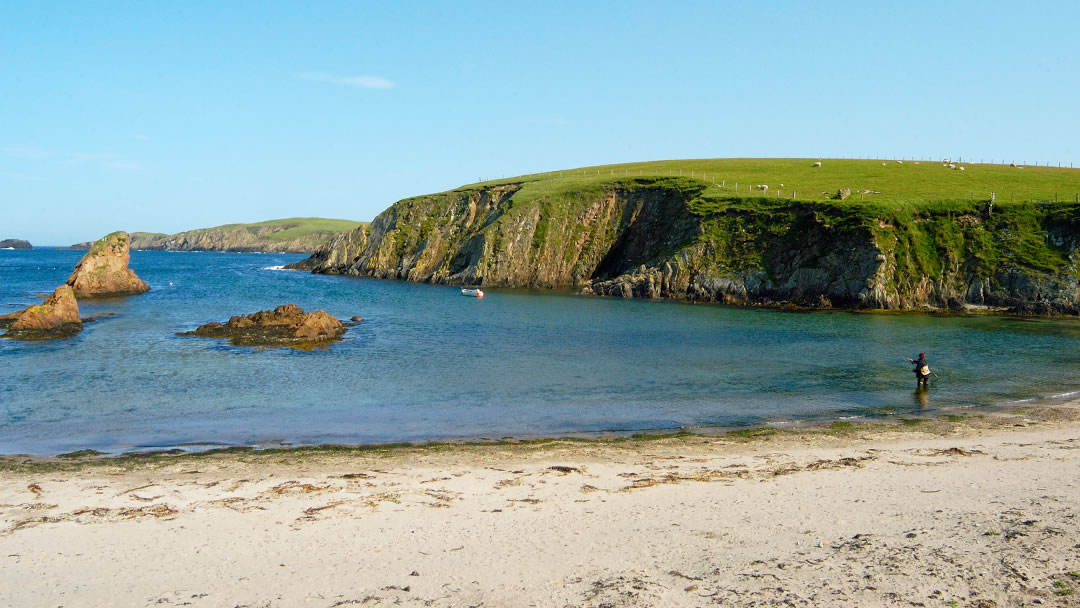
[[817, 164], [959, 168], [763, 187]]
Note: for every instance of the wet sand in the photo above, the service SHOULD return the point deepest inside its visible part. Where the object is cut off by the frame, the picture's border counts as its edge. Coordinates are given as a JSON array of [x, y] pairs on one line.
[[976, 512]]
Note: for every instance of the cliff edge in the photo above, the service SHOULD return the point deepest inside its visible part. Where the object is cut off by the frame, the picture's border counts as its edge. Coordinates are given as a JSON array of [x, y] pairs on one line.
[[683, 238]]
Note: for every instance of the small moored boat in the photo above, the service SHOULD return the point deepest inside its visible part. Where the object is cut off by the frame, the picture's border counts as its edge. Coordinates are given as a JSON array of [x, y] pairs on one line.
[[472, 293]]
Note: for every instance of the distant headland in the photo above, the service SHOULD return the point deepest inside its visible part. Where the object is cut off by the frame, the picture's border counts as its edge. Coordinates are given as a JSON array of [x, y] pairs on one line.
[[895, 234], [292, 235]]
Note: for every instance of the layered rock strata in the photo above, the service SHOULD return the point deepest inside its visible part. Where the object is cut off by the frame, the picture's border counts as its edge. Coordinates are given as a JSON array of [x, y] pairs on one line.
[[286, 325], [671, 238], [104, 272]]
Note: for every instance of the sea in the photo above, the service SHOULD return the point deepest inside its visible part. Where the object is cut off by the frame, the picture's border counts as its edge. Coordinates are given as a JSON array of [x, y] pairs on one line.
[[428, 364]]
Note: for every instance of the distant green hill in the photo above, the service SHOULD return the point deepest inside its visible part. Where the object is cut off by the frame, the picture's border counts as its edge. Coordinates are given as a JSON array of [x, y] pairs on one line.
[[912, 234], [293, 235]]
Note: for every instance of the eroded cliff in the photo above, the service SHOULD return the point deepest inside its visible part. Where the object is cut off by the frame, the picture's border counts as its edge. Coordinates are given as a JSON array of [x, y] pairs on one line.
[[676, 238]]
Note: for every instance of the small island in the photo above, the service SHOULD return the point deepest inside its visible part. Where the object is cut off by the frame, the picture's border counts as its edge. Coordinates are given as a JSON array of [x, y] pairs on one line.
[[286, 325], [15, 244]]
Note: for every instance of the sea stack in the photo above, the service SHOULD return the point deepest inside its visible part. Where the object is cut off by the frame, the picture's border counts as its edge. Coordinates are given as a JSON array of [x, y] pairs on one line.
[[56, 317], [104, 272]]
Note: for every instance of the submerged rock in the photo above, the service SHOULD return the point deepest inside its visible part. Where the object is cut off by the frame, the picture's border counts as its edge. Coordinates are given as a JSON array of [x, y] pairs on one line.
[[15, 244], [56, 317], [286, 325], [104, 271]]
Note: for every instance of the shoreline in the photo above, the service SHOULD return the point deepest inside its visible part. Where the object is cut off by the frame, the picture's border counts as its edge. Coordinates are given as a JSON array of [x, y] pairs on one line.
[[975, 513], [884, 421]]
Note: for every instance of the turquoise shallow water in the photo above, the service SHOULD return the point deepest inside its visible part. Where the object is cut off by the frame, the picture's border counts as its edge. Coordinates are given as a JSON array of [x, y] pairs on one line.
[[431, 364]]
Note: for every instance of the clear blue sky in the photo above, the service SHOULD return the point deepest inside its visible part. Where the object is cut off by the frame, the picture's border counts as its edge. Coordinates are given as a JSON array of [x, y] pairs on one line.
[[168, 116]]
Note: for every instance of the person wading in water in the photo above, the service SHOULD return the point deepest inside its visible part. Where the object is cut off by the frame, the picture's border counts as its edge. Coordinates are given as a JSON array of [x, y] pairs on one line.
[[922, 370]]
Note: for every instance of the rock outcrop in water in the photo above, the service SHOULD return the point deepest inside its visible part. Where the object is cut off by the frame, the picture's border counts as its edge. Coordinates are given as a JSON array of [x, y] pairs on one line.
[[673, 238], [104, 272], [15, 244], [286, 325], [56, 317]]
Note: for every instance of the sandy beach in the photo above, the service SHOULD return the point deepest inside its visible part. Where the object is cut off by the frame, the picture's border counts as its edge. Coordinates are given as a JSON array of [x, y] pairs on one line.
[[979, 512]]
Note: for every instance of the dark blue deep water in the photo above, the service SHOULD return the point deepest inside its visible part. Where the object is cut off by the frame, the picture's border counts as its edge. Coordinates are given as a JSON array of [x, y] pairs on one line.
[[431, 364]]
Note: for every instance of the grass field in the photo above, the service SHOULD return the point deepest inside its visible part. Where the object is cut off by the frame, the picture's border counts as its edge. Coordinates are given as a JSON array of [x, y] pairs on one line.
[[892, 181], [295, 227]]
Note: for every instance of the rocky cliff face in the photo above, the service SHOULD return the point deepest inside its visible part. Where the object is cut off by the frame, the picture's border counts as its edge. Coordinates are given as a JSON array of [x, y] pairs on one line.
[[666, 238], [104, 271], [15, 244]]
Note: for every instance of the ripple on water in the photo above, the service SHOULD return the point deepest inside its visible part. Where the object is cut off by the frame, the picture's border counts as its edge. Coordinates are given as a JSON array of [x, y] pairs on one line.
[[427, 363]]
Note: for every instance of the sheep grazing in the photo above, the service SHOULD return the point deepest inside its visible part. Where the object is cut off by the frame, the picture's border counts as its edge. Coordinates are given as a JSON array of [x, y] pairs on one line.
[[947, 161], [817, 164], [762, 187], [899, 162], [884, 164], [951, 166], [959, 168]]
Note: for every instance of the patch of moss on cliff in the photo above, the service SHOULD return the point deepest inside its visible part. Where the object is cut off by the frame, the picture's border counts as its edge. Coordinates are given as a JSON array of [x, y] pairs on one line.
[[100, 244]]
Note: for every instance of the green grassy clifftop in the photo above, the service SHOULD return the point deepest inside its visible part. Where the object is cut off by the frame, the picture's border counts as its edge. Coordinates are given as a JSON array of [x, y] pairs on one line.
[[909, 236], [293, 235]]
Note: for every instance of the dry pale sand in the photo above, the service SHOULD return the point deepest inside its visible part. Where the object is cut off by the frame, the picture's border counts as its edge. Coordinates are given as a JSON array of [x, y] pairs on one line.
[[970, 514]]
